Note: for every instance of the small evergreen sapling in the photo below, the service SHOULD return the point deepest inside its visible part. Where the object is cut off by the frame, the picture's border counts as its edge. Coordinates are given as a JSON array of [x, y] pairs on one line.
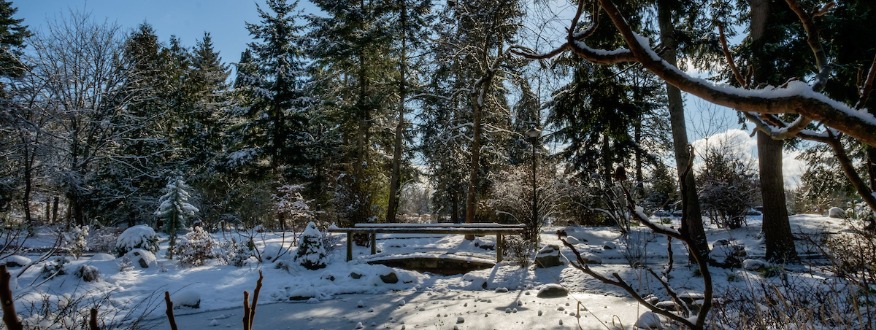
[[174, 208], [311, 252]]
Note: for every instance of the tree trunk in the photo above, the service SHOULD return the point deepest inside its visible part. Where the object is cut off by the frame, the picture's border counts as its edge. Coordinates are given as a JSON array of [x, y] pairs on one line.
[[395, 176], [693, 227], [776, 227], [471, 197]]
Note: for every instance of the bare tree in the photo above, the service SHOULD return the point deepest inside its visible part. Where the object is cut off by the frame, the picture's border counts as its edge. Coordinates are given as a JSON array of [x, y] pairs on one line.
[[79, 66]]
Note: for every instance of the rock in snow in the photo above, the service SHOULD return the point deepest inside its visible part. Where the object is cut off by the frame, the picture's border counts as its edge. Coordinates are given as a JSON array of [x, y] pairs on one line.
[[649, 320], [836, 212], [552, 291]]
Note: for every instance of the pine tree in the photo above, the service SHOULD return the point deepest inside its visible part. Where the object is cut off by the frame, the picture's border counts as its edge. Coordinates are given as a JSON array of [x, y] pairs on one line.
[[352, 44], [270, 81], [174, 209]]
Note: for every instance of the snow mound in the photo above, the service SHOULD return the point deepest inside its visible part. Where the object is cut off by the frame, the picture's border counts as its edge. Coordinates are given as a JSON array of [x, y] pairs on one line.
[[188, 298], [648, 320], [836, 212], [137, 237], [15, 261]]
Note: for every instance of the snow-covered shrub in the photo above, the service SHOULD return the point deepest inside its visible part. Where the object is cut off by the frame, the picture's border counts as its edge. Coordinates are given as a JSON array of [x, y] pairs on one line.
[[137, 237], [237, 255], [56, 267], [76, 240], [196, 248], [88, 273], [311, 253], [518, 250], [290, 204], [103, 239]]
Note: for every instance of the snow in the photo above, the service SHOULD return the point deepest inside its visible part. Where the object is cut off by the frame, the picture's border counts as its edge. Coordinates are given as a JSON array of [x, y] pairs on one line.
[[293, 297], [135, 237]]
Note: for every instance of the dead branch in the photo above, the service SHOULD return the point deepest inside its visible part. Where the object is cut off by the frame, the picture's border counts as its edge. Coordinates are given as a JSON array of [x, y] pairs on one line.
[[255, 300], [732, 64], [10, 318], [92, 320], [867, 86], [169, 311], [247, 324], [777, 129], [581, 264]]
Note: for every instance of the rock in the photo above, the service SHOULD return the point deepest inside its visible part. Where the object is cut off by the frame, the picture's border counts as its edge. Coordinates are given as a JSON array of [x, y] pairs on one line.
[[667, 305], [548, 256], [552, 291], [460, 320], [329, 277], [390, 278], [836, 212], [16, 261], [142, 258], [609, 246], [299, 298], [649, 320], [355, 275], [593, 260], [501, 290]]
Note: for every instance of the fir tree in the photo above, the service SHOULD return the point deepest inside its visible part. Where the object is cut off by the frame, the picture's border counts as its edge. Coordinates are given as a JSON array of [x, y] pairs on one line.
[[270, 81], [174, 209]]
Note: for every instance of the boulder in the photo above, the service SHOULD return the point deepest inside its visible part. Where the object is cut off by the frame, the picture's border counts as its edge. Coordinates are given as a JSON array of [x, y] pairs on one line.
[[836, 212], [649, 320], [548, 256], [355, 275], [390, 278], [142, 258], [552, 291]]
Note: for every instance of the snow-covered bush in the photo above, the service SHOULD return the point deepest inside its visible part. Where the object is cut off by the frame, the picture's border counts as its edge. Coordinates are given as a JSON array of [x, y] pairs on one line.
[[311, 253], [235, 254], [88, 273], [137, 237], [103, 239], [290, 205], [56, 267], [196, 248], [76, 240]]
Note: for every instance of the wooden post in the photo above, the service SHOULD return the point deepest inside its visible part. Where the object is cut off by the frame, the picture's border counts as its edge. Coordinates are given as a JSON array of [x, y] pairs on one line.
[[349, 245], [373, 237], [499, 244]]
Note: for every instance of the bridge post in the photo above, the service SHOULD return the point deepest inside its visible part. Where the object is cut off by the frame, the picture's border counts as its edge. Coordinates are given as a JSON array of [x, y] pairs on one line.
[[499, 247], [349, 245]]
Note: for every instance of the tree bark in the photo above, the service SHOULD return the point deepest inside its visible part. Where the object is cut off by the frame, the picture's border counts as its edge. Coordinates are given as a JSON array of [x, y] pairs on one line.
[[693, 227], [10, 317], [395, 176], [776, 227]]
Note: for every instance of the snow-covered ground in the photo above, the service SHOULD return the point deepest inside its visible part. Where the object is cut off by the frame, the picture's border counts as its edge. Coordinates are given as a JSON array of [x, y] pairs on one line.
[[345, 294]]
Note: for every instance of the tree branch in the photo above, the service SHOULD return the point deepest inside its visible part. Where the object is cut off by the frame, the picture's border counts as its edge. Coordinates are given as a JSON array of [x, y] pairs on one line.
[[814, 41], [729, 57], [867, 86]]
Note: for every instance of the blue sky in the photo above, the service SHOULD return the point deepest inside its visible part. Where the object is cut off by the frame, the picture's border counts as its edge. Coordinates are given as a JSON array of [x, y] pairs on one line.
[[187, 19]]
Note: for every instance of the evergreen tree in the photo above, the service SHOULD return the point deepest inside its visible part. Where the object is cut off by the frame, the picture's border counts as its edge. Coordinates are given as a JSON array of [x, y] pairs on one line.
[[16, 133], [174, 209], [270, 80], [351, 44]]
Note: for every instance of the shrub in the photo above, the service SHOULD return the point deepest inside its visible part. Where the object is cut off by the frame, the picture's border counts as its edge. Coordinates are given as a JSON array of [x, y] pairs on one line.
[[137, 237], [54, 268], [88, 273], [311, 253], [76, 240], [196, 248]]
